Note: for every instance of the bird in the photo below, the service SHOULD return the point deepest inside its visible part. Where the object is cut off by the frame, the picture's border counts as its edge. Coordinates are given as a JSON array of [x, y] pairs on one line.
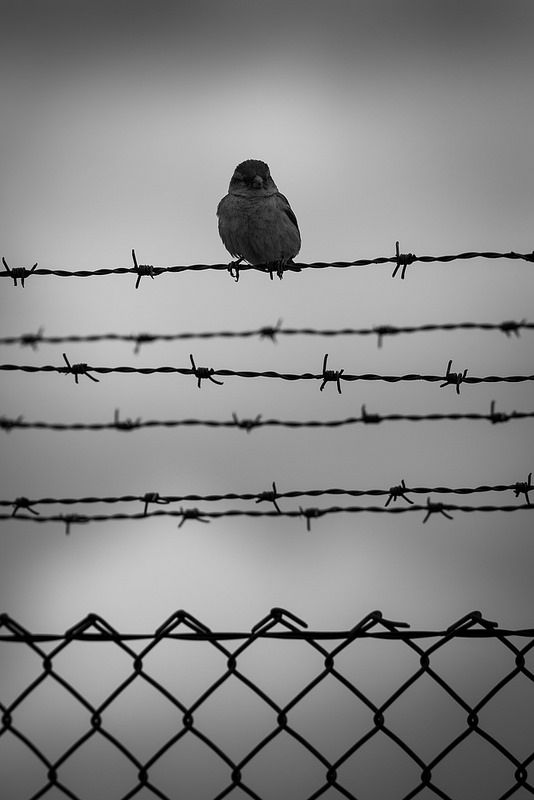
[[256, 222]]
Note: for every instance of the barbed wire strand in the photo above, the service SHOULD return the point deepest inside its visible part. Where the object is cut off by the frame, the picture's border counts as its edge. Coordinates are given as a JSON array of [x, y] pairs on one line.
[[401, 261], [400, 490], [308, 514], [248, 424], [508, 327], [201, 373]]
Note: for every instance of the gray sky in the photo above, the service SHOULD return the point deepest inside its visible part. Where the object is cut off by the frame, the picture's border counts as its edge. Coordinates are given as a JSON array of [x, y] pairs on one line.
[[381, 121], [121, 126]]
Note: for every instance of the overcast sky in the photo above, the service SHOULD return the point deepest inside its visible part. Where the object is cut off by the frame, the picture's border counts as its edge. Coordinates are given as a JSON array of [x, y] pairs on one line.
[[121, 125]]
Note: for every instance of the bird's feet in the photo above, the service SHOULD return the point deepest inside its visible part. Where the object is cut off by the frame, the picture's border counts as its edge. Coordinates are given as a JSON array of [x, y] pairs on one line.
[[280, 266], [233, 269]]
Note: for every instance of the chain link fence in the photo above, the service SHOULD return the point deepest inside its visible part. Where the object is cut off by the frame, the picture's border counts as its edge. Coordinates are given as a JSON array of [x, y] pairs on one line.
[[377, 711]]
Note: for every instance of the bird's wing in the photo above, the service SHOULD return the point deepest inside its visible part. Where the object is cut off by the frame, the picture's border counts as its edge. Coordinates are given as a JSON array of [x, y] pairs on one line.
[[286, 208], [227, 230]]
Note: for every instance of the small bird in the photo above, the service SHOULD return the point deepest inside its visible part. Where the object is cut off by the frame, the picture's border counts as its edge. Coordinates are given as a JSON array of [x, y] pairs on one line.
[[256, 222]]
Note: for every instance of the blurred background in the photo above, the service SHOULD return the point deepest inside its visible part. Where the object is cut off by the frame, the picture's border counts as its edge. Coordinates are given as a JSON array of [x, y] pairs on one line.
[[121, 125]]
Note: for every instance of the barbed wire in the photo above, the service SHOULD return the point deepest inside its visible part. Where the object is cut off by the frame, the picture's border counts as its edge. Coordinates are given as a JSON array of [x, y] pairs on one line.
[[330, 667], [401, 261], [326, 376], [508, 327], [248, 424], [308, 514], [272, 495]]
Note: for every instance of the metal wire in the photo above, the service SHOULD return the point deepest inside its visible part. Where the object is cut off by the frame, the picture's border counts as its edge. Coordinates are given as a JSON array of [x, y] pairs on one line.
[[401, 260], [250, 423], [431, 508], [508, 327], [330, 665], [326, 375], [156, 497]]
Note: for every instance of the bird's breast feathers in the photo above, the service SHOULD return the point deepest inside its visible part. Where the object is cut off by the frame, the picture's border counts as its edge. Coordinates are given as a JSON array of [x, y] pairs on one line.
[[259, 229]]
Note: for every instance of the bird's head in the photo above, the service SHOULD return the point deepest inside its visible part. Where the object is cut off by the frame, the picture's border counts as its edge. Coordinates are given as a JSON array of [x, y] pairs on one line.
[[252, 177]]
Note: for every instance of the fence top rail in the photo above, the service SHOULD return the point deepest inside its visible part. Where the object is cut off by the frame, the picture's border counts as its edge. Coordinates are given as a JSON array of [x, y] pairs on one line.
[[279, 623]]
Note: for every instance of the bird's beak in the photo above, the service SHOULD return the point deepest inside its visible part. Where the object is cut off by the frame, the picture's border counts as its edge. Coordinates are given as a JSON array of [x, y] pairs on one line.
[[257, 182]]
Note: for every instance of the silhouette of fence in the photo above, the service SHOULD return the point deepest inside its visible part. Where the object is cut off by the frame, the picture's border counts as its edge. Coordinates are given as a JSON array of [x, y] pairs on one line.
[[377, 711]]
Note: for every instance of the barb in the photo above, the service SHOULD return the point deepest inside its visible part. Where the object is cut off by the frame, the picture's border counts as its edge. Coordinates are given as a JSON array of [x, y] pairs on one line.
[[403, 260], [436, 508], [370, 419], [144, 269], [510, 327], [73, 519], [455, 378], [524, 488], [140, 339], [9, 423], [270, 497], [192, 513], [309, 514], [270, 332], [24, 503], [31, 339], [399, 491], [384, 330], [247, 424], [17, 273], [76, 370], [153, 497], [127, 424], [362, 262], [267, 332], [202, 373], [331, 375]]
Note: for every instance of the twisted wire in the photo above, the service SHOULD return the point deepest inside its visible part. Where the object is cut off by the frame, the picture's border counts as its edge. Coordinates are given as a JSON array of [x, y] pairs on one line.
[[152, 271], [93, 628], [507, 327], [286, 376], [248, 424], [212, 498], [200, 515]]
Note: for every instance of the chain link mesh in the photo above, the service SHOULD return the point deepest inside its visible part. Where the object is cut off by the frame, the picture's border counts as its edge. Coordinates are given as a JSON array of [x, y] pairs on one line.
[[377, 711]]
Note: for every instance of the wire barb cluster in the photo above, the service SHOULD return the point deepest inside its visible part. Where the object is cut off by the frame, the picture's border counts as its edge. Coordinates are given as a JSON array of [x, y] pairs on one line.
[[18, 273], [143, 269], [77, 370], [524, 488], [326, 660], [403, 261], [331, 375]]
